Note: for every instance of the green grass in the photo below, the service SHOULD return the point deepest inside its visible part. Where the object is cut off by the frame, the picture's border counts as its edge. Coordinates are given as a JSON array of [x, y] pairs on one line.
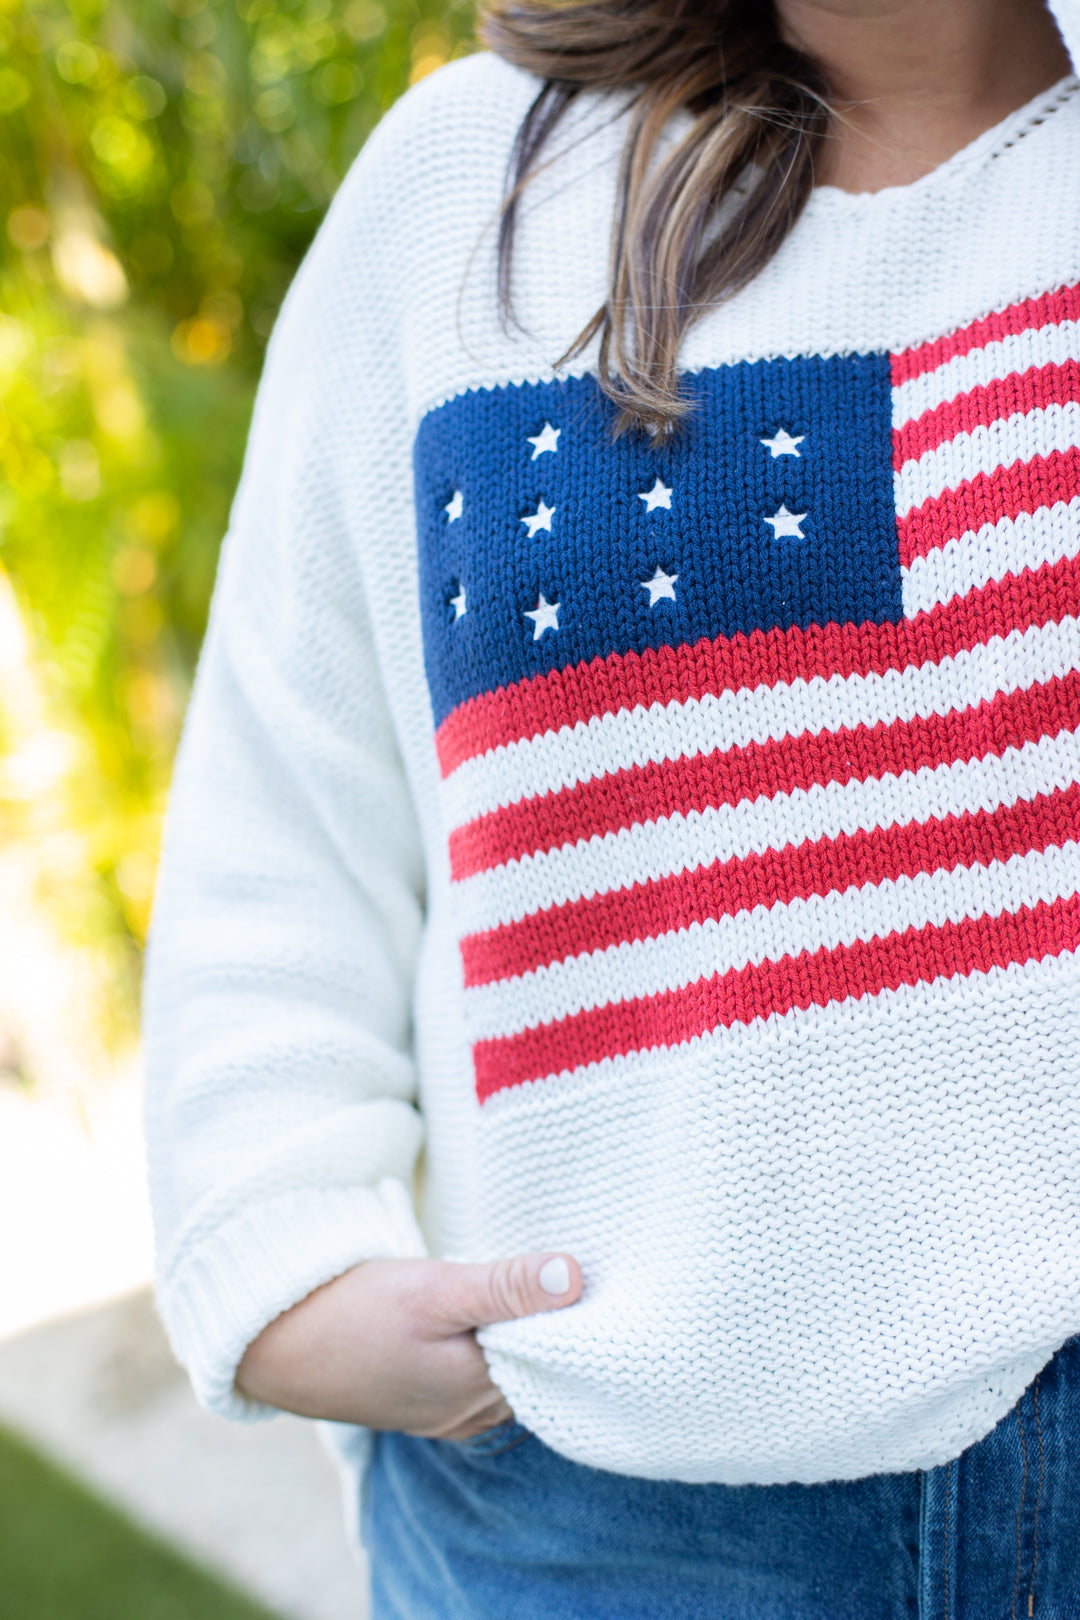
[[65, 1555]]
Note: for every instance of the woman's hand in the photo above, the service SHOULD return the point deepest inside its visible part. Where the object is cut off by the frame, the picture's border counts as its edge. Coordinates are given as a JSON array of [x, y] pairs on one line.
[[392, 1343]]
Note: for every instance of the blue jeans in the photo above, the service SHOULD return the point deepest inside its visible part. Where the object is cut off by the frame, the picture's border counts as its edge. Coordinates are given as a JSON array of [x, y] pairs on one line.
[[503, 1528]]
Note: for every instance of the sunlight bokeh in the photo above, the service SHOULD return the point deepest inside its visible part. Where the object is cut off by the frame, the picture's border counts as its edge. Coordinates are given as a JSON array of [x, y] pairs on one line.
[[165, 168]]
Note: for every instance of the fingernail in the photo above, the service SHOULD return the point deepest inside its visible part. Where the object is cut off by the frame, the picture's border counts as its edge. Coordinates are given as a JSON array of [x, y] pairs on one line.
[[554, 1276]]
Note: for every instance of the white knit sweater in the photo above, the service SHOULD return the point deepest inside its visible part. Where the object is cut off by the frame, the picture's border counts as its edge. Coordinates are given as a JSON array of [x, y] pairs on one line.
[[679, 845]]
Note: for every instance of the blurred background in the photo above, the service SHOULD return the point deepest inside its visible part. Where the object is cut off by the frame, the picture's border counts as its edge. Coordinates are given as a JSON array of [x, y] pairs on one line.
[[163, 167]]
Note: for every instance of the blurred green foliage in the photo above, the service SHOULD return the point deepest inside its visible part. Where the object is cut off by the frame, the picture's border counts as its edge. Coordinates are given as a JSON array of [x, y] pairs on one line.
[[164, 168]]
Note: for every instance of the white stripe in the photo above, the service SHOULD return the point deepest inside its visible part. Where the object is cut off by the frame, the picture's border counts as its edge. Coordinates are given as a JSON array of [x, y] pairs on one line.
[[984, 449], [954, 998], [1040, 346], [822, 922], [678, 843], [995, 551], [613, 742]]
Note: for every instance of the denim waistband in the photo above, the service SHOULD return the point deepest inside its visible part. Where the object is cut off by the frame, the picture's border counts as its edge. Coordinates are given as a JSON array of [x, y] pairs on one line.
[[502, 1527]]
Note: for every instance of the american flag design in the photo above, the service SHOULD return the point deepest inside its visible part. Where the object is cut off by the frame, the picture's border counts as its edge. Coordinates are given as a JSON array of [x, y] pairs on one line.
[[781, 713]]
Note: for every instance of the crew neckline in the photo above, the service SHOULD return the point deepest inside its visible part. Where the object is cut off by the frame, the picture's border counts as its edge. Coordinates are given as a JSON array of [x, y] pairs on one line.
[[984, 148]]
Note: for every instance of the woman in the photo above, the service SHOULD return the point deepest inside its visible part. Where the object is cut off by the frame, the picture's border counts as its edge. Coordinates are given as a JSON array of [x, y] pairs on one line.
[[622, 890]]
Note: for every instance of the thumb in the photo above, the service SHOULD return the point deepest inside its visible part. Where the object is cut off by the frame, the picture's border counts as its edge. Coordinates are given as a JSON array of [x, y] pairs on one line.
[[505, 1289]]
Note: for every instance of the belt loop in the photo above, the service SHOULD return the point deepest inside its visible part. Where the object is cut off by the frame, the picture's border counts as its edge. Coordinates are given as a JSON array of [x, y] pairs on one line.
[[937, 1543]]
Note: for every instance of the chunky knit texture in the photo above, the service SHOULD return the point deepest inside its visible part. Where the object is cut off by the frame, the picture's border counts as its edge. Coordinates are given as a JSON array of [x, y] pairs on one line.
[[682, 841]]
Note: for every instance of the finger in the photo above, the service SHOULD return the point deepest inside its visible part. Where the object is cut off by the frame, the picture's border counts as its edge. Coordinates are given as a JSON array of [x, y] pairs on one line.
[[505, 1289]]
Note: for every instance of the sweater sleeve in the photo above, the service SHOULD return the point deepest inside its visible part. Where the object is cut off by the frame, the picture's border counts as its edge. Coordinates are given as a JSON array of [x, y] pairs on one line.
[[281, 1118]]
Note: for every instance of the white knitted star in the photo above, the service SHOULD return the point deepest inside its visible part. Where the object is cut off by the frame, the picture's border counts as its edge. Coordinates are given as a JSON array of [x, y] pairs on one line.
[[545, 616], [454, 506], [659, 586], [548, 439], [659, 495], [785, 524], [458, 603], [783, 444], [540, 519]]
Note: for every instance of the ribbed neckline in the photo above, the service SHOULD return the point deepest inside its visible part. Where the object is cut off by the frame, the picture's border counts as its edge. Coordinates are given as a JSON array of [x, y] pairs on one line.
[[983, 149]]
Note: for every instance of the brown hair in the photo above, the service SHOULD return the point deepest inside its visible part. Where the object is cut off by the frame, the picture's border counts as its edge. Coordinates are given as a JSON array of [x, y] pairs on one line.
[[760, 112]]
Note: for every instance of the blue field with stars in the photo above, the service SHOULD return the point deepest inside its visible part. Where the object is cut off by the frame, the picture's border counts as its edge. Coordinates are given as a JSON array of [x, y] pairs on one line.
[[544, 542]]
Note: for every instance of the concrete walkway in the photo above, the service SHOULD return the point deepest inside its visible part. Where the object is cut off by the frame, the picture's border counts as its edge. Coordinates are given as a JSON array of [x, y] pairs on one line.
[[88, 1375], [260, 1503]]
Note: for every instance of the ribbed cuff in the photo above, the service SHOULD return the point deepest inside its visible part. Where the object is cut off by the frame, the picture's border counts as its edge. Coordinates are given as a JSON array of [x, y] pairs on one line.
[[264, 1260]]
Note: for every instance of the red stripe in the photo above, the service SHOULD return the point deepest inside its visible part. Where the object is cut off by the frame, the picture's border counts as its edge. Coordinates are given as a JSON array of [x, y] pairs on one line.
[[646, 793], [1018, 393], [723, 889], [567, 697], [987, 498], [1029, 315], [742, 995]]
